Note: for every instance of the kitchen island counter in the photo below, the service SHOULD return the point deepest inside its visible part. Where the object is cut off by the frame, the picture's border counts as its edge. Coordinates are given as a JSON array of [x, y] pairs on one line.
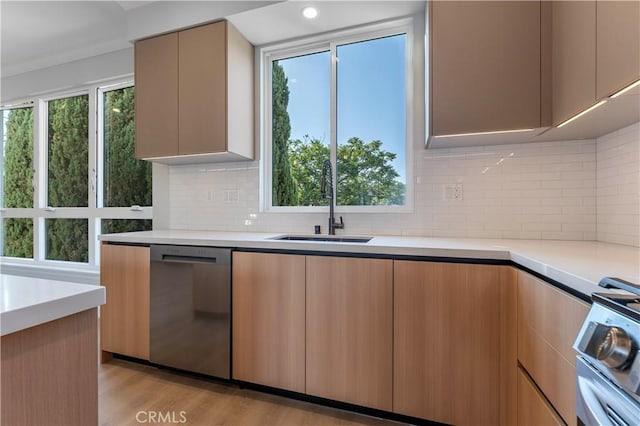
[[578, 265], [27, 302], [49, 351]]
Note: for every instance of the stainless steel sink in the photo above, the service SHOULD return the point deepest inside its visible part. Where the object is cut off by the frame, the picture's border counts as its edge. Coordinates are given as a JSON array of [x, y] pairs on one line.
[[323, 238]]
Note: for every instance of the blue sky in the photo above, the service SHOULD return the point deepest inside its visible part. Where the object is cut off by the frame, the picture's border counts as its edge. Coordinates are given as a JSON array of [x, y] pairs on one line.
[[371, 94]]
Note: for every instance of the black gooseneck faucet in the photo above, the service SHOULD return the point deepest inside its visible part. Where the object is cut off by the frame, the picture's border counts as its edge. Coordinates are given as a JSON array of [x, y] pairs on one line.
[[326, 168]]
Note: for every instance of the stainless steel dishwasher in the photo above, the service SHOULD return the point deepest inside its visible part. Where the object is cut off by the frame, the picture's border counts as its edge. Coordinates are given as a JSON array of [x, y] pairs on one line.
[[190, 305]]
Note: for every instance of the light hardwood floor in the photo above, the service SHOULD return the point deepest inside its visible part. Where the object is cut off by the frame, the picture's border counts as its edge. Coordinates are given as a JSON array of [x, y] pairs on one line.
[[127, 390]]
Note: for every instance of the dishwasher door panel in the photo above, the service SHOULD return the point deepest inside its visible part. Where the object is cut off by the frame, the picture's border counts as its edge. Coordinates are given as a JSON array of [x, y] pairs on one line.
[[190, 314]]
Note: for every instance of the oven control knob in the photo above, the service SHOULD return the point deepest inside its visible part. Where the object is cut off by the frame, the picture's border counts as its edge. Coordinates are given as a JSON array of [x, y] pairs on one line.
[[611, 345]]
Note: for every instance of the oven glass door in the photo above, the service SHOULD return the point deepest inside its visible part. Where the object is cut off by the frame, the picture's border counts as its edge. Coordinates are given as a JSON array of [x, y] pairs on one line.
[[599, 402]]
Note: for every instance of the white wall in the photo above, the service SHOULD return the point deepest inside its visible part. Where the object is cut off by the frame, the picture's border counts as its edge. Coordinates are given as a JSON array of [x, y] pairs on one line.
[[537, 191], [67, 76], [618, 186]]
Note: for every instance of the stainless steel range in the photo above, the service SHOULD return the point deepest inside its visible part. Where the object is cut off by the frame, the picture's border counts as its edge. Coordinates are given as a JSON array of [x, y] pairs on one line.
[[608, 367]]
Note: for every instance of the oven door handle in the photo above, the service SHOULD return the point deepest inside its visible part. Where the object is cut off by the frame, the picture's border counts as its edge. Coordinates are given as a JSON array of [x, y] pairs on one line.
[[592, 404]]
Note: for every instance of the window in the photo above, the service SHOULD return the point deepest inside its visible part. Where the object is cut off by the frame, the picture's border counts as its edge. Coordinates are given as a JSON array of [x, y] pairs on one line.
[[126, 181], [69, 173], [17, 180], [351, 110]]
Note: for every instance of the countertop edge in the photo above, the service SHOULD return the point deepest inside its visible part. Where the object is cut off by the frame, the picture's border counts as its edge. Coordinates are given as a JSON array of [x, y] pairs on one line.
[[51, 310]]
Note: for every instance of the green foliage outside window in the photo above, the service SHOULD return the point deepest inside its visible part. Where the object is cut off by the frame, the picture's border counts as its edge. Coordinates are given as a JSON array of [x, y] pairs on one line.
[[18, 181], [68, 120], [365, 173], [127, 180]]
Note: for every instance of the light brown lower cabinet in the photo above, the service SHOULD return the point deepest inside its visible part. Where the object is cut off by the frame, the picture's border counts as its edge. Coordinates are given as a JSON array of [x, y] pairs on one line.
[[349, 331], [269, 319], [124, 318], [455, 342], [548, 323], [533, 408]]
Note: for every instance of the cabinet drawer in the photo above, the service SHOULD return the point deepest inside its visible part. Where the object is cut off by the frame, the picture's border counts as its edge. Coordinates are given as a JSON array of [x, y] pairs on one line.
[[548, 323], [533, 408]]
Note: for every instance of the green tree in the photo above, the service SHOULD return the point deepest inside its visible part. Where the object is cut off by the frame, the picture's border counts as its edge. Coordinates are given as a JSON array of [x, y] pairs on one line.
[[18, 181], [284, 191], [127, 181], [365, 173], [67, 239]]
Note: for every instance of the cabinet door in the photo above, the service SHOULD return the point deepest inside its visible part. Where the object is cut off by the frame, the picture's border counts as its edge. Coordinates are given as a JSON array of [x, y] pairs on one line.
[[485, 66], [548, 323], [455, 342], [203, 89], [268, 319], [573, 57], [124, 319], [156, 92], [618, 45], [533, 408], [349, 330]]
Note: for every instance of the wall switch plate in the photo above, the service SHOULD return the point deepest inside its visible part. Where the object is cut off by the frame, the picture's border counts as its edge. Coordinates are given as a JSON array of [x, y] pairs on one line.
[[452, 191]]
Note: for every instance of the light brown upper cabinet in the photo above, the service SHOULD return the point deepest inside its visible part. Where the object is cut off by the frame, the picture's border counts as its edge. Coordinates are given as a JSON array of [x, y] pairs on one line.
[[486, 66], [455, 342], [573, 57], [349, 327], [617, 45], [194, 96], [595, 52]]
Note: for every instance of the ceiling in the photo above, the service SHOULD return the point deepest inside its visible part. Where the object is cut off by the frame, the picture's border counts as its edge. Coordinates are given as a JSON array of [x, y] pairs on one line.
[[39, 34]]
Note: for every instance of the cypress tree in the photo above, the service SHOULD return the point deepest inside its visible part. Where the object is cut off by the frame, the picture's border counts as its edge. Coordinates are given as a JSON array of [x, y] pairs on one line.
[[18, 181], [284, 188], [68, 239], [127, 181]]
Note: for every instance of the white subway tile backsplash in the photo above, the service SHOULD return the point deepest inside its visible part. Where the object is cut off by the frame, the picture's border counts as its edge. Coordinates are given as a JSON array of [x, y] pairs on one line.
[[540, 190], [618, 186]]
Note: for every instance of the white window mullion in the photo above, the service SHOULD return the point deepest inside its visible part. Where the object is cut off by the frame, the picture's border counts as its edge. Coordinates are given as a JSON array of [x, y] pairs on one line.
[[41, 163], [94, 109], [333, 120]]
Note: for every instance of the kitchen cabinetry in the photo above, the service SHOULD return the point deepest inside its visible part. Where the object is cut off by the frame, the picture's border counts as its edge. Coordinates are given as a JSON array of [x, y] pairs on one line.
[[617, 45], [548, 323], [124, 319], [455, 342], [486, 66], [573, 57], [349, 326], [194, 95], [595, 52], [269, 319], [533, 408]]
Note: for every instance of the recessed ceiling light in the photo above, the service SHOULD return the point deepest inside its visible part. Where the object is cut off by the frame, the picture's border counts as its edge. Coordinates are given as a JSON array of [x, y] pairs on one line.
[[309, 12]]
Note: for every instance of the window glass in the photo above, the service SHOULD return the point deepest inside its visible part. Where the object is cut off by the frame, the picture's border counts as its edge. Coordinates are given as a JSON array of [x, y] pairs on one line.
[[368, 144], [300, 128], [17, 237], [68, 159], [17, 176], [371, 122], [67, 239], [17, 143], [114, 226], [127, 181]]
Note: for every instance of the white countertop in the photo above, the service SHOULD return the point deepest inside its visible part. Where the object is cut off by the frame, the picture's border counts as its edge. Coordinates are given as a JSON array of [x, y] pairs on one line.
[[26, 302], [577, 264]]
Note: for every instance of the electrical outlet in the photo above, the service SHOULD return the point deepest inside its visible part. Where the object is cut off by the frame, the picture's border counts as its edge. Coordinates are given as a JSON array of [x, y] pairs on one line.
[[452, 191], [231, 196]]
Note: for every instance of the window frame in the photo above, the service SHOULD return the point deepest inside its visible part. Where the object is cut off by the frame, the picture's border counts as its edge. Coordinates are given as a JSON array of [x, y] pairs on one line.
[[322, 43], [95, 211]]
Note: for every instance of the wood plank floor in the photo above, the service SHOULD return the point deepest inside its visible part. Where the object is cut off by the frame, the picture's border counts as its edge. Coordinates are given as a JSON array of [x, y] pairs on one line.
[[134, 394]]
